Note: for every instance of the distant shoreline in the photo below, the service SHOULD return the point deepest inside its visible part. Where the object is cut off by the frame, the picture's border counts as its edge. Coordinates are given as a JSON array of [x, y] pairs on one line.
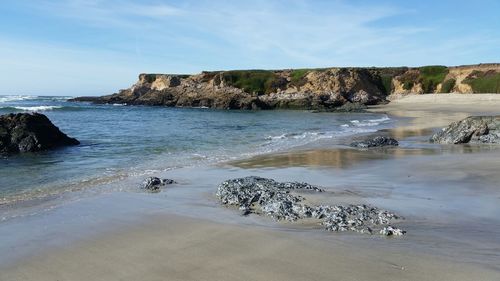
[[309, 89]]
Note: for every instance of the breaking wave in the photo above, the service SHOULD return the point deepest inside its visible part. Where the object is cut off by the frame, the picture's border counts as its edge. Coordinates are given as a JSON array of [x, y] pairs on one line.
[[37, 108]]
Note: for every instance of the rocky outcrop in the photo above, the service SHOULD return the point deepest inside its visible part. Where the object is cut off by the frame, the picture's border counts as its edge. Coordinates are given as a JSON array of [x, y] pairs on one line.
[[465, 79], [317, 89], [378, 141], [256, 89], [154, 184], [25, 132], [280, 201], [474, 129]]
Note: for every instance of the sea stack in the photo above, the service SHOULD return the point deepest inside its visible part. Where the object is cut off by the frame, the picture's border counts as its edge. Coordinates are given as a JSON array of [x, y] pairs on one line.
[[29, 132]]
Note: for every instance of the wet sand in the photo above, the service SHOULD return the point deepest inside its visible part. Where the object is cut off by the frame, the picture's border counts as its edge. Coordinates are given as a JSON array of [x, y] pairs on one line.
[[179, 248], [449, 196]]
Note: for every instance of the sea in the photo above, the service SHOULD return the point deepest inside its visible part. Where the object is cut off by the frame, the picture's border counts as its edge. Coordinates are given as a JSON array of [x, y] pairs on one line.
[[120, 141]]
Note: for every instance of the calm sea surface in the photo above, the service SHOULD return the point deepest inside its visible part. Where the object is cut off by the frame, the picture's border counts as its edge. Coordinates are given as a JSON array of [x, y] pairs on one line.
[[121, 141]]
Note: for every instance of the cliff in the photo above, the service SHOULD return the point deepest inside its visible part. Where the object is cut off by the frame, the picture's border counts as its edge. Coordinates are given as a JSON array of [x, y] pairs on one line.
[[302, 88]]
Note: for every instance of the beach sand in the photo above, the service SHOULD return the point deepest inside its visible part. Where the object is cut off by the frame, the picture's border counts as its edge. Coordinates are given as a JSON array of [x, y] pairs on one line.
[[448, 194], [180, 248]]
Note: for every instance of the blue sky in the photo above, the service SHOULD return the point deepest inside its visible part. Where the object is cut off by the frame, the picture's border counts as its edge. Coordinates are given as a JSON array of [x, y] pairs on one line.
[[95, 47]]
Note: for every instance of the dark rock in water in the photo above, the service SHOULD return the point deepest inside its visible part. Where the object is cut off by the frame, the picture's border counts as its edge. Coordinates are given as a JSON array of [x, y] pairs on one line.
[[277, 200], [154, 184], [474, 129], [347, 107], [168, 181], [378, 141], [25, 132]]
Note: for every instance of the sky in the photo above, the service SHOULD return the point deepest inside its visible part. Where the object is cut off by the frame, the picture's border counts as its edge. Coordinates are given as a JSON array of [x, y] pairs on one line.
[[95, 47]]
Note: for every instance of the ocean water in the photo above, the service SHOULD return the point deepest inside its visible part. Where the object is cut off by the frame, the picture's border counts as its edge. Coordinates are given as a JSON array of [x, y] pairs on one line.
[[120, 141]]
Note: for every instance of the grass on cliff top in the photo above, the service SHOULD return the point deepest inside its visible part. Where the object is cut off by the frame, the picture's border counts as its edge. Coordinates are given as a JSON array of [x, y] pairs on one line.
[[431, 76], [251, 81], [297, 76], [151, 77], [484, 82]]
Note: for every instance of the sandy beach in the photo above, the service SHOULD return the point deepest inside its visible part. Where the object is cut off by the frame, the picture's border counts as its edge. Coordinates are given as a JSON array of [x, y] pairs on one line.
[[448, 194], [179, 248]]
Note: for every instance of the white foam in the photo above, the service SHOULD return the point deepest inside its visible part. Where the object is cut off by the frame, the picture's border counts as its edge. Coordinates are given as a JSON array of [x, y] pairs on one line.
[[385, 118], [4, 99], [283, 136], [369, 122], [37, 108]]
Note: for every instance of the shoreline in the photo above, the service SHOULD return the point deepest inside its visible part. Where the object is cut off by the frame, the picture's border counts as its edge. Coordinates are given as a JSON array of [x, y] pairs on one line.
[[182, 233]]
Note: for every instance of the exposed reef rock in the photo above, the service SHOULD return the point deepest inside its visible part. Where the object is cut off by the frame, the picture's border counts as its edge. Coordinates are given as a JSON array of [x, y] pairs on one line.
[[154, 184], [25, 132], [279, 201], [474, 129], [378, 141], [316, 89]]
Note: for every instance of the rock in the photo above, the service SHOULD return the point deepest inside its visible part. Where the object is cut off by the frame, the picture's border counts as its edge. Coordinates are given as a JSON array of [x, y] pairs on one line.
[[347, 107], [377, 141], [474, 129], [277, 200], [273, 197], [352, 107], [29, 132], [392, 231], [154, 184]]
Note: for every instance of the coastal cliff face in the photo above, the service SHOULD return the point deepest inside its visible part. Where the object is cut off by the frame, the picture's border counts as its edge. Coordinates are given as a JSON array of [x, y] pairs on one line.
[[302, 88]]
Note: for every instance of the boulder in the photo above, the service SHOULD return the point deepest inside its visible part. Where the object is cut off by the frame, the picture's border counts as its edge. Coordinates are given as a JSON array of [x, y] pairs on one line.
[[474, 129], [280, 201], [29, 132], [154, 184], [377, 141]]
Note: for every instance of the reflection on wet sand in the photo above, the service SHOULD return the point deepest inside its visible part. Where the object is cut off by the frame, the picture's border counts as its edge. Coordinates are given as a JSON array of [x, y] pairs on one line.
[[346, 157], [336, 158], [402, 133]]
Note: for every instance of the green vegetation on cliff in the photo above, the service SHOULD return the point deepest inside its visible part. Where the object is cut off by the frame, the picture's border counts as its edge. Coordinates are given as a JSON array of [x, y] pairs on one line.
[[431, 76], [408, 79], [386, 75], [386, 84], [448, 85], [484, 82], [252, 81], [297, 76]]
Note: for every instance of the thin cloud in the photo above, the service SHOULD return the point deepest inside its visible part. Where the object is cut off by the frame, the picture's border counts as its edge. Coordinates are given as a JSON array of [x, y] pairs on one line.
[[110, 40]]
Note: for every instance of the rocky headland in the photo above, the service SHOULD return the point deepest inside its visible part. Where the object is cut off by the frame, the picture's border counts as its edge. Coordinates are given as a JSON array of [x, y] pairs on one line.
[[302, 88], [25, 132]]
